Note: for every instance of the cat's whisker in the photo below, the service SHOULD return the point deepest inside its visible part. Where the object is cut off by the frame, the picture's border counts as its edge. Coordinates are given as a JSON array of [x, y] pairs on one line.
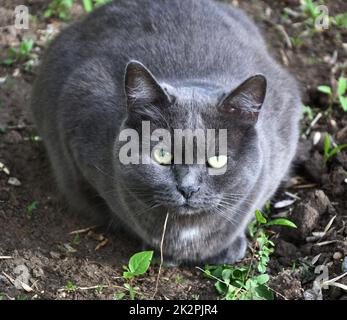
[[235, 201], [234, 210], [226, 217], [141, 212]]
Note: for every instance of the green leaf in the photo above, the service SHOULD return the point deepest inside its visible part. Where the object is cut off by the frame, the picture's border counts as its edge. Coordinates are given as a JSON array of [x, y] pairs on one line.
[[139, 262], [259, 216], [226, 275], [8, 62], [337, 149], [128, 275], [306, 110], [264, 292], [87, 5], [261, 268], [262, 279], [282, 222], [343, 102], [26, 47], [47, 13], [326, 145], [325, 89], [342, 86], [221, 287], [119, 296], [252, 228]]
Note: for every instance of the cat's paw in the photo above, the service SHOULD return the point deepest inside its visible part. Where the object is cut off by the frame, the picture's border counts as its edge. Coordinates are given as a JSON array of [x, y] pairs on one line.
[[232, 254]]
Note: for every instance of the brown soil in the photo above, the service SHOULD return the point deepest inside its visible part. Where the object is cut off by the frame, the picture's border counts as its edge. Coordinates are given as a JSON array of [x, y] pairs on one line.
[[44, 254]]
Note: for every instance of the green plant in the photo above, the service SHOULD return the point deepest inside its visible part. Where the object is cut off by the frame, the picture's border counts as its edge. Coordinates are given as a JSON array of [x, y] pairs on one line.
[[138, 265], [31, 207], [89, 5], [329, 151], [339, 96], [309, 9], [100, 288], [297, 41], [70, 286], [131, 290], [22, 53], [340, 20], [249, 282], [23, 297], [76, 239], [308, 112], [178, 278], [119, 296], [60, 9]]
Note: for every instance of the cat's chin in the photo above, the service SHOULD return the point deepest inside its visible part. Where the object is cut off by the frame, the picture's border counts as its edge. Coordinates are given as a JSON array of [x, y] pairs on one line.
[[185, 210]]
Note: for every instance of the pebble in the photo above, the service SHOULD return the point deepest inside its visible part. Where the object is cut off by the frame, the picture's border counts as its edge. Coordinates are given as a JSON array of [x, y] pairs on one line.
[[2, 80], [284, 203], [4, 169], [14, 182], [337, 256], [344, 265]]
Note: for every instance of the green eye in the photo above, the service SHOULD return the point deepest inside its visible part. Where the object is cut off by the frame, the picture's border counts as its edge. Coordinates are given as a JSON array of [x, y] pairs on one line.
[[217, 162], [162, 156]]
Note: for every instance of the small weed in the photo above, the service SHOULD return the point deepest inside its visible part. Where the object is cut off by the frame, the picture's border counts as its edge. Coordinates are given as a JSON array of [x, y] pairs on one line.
[[309, 9], [23, 297], [60, 9], [31, 207], [100, 288], [35, 139], [339, 96], [89, 5], [249, 282], [76, 239], [131, 290], [307, 112], [119, 296], [21, 54], [340, 20], [297, 41], [2, 297], [138, 265], [329, 151], [178, 279], [70, 286]]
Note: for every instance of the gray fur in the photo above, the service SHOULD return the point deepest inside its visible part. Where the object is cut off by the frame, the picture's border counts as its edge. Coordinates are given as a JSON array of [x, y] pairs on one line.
[[198, 52]]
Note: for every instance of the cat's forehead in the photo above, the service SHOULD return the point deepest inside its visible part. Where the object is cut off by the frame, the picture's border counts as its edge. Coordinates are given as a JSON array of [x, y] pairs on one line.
[[195, 102], [194, 91]]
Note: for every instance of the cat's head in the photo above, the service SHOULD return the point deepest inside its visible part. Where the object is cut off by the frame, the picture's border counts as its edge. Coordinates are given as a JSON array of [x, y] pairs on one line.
[[204, 178]]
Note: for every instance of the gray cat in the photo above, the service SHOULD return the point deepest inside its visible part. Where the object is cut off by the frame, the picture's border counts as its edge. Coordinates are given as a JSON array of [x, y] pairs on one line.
[[178, 64]]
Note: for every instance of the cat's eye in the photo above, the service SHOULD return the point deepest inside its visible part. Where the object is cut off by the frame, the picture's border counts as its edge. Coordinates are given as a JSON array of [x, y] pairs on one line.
[[217, 162], [162, 156]]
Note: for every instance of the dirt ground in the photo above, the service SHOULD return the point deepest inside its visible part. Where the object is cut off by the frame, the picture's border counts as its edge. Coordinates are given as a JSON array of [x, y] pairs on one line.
[[36, 247]]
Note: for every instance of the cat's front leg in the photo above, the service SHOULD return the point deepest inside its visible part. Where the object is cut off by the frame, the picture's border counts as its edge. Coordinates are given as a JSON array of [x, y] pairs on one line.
[[233, 253]]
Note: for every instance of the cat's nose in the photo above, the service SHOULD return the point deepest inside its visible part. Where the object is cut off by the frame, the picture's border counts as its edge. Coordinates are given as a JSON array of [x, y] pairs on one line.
[[187, 192]]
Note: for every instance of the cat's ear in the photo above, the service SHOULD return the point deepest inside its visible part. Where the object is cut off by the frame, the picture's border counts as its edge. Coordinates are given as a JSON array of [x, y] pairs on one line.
[[141, 87], [246, 100]]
